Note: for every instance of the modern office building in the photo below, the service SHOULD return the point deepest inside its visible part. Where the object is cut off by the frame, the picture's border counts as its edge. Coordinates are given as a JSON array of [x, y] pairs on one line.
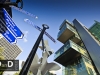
[[95, 30], [80, 54], [11, 51]]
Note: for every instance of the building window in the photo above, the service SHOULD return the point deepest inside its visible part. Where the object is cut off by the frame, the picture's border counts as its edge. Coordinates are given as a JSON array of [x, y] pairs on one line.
[[79, 67], [62, 50], [87, 60], [90, 70]]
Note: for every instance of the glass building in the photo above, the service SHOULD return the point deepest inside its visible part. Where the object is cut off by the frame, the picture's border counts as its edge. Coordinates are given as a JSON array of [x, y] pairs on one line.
[[76, 55], [95, 30]]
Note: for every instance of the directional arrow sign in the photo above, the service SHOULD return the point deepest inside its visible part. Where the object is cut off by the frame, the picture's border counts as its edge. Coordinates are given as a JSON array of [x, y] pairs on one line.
[[6, 33], [9, 37], [38, 28], [12, 26]]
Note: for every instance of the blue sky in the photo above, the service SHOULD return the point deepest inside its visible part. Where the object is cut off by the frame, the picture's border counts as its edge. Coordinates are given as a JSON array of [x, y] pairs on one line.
[[52, 13]]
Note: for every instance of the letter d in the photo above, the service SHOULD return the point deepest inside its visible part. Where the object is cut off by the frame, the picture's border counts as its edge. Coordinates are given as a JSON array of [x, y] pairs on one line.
[[10, 63]]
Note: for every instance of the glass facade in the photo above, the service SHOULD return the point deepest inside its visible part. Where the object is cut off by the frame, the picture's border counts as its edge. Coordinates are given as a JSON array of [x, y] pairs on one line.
[[95, 30], [75, 68], [81, 66], [66, 26], [75, 64], [70, 44], [68, 32]]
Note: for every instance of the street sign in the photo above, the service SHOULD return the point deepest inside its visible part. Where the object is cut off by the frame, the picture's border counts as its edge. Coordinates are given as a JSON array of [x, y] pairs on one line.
[[9, 37], [12, 26], [6, 33], [25, 12], [38, 28]]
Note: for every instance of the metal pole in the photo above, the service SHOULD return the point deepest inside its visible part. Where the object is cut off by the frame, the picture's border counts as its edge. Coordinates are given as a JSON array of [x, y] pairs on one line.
[[30, 58], [43, 44], [7, 4]]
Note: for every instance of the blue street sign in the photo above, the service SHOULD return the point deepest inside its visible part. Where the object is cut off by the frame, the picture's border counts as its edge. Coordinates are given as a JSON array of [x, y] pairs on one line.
[[6, 33], [12, 26], [9, 37]]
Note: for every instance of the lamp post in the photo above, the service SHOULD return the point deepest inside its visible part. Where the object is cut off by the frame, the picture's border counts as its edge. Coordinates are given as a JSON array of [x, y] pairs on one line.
[[30, 58]]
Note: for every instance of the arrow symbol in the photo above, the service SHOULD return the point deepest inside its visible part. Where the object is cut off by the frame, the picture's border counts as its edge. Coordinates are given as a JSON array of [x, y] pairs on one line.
[[38, 28]]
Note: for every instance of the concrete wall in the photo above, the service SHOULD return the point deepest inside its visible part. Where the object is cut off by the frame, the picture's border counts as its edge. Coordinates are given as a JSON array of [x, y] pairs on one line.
[[91, 45]]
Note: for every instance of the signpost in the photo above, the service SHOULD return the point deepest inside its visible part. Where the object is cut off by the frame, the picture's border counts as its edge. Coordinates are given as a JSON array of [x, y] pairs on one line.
[[12, 26], [25, 12], [38, 28], [6, 33], [9, 37], [30, 58], [9, 29]]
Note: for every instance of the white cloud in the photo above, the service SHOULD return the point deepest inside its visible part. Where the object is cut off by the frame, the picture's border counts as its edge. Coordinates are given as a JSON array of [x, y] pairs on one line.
[[36, 17], [25, 36], [25, 40], [26, 33]]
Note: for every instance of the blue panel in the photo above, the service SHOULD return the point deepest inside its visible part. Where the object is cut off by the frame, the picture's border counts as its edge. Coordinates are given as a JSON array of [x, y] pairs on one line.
[[5, 32], [12, 26], [9, 37]]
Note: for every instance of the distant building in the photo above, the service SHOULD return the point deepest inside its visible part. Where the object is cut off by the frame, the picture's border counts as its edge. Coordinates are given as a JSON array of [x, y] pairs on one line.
[[95, 30], [80, 54], [10, 51]]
